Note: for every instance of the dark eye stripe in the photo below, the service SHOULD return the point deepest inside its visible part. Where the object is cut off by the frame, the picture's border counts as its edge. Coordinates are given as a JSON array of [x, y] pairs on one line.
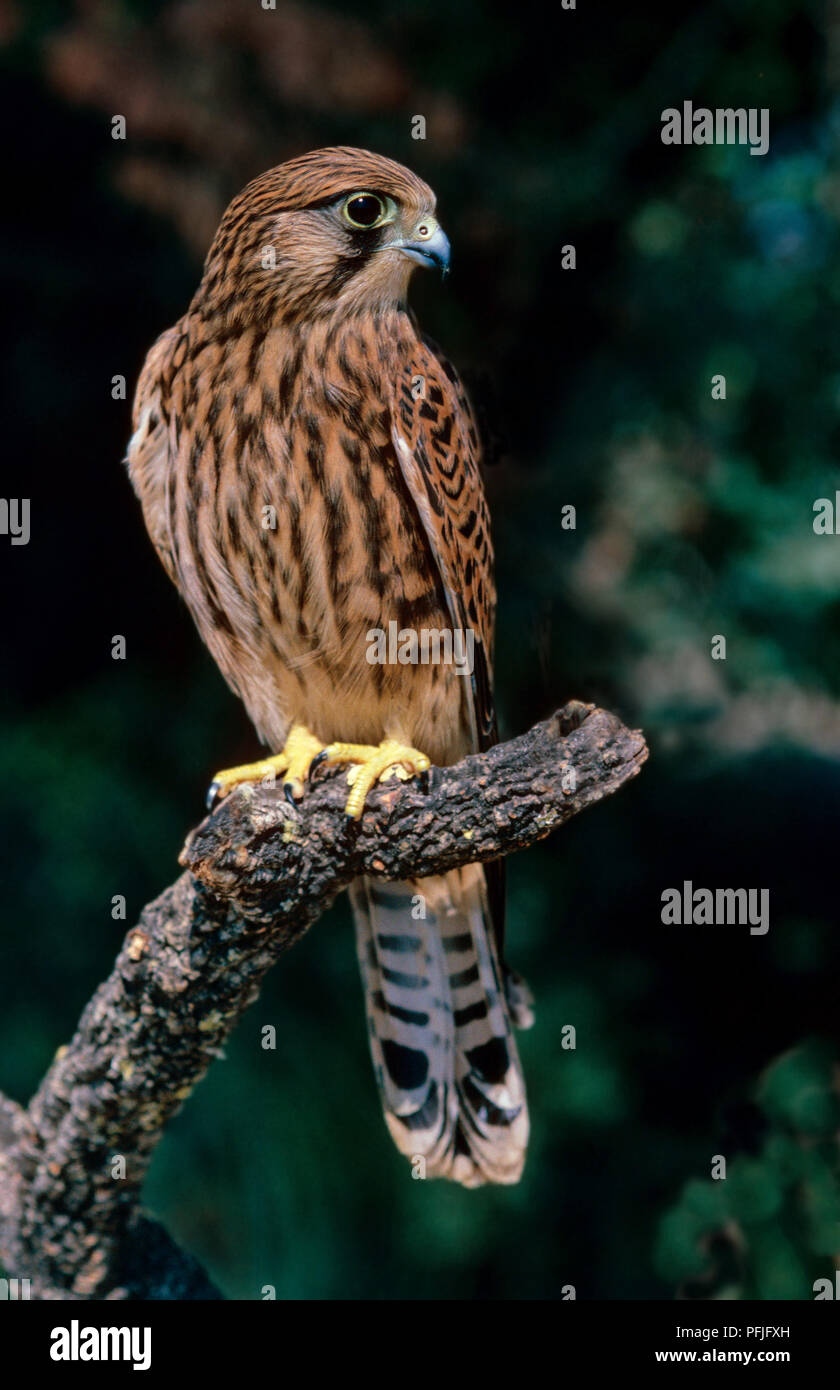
[[348, 266]]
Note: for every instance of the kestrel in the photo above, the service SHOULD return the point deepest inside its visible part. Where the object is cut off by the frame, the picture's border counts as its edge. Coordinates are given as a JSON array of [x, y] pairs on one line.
[[307, 464]]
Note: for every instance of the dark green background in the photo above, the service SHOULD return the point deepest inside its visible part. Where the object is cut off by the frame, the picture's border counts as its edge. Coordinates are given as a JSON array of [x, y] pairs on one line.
[[694, 518]]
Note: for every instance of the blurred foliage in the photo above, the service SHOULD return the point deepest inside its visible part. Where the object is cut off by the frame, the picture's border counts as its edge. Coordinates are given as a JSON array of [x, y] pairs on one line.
[[764, 1227], [694, 518]]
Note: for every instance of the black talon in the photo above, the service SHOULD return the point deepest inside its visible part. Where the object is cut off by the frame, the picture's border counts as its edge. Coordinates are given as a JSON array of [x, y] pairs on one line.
[[317, 761], [212, 795], [289, 793], [424, 780]]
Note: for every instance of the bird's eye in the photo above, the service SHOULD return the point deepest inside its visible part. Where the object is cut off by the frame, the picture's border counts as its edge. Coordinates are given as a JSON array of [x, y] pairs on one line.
[[364, 210]]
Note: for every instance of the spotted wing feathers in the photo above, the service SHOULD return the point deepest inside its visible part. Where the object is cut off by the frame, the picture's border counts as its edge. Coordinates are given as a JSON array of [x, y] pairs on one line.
[[437, 445]]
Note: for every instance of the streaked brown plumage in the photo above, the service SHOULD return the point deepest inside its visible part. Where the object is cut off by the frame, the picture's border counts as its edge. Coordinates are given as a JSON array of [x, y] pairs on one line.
[[302, 489]]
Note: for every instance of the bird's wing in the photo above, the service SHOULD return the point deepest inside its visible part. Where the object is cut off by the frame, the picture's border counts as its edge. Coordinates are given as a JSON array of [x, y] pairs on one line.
[[149, 456], [437, 446]]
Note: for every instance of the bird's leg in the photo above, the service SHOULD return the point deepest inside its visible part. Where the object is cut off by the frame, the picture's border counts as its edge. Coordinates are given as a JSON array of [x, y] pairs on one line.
[[373, 764], [300, 749]]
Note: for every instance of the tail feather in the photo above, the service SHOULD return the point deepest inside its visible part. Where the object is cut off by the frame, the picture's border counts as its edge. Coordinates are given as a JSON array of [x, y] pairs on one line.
[[439, 1026]]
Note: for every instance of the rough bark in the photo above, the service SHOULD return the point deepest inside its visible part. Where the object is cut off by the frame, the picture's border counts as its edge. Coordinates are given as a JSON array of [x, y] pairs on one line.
[[258, 873]]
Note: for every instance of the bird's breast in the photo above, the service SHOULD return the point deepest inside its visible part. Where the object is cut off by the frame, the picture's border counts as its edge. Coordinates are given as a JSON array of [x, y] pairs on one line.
[[303, 553]]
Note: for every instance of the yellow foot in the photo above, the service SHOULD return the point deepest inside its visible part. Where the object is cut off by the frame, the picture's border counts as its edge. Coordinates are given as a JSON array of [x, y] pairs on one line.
[[373, 764], [300, 750]]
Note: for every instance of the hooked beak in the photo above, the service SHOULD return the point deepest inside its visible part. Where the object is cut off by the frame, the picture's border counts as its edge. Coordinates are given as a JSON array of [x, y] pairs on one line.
[[429, 245]]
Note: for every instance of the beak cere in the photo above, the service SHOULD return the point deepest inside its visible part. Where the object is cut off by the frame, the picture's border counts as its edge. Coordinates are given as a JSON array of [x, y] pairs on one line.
[[429, 245]]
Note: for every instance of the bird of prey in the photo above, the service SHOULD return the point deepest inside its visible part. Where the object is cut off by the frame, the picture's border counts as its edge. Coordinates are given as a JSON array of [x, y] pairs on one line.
[[308, 468]]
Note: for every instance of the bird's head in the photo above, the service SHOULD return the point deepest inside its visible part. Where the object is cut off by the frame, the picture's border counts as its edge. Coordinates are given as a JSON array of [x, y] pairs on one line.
[[337, 229]]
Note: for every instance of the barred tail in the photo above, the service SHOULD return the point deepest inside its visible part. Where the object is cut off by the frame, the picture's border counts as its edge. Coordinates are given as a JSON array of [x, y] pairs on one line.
[[439, 1026]]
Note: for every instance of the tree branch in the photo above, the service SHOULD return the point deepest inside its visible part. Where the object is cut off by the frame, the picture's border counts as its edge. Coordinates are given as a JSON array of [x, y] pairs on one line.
[[258, 874]]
